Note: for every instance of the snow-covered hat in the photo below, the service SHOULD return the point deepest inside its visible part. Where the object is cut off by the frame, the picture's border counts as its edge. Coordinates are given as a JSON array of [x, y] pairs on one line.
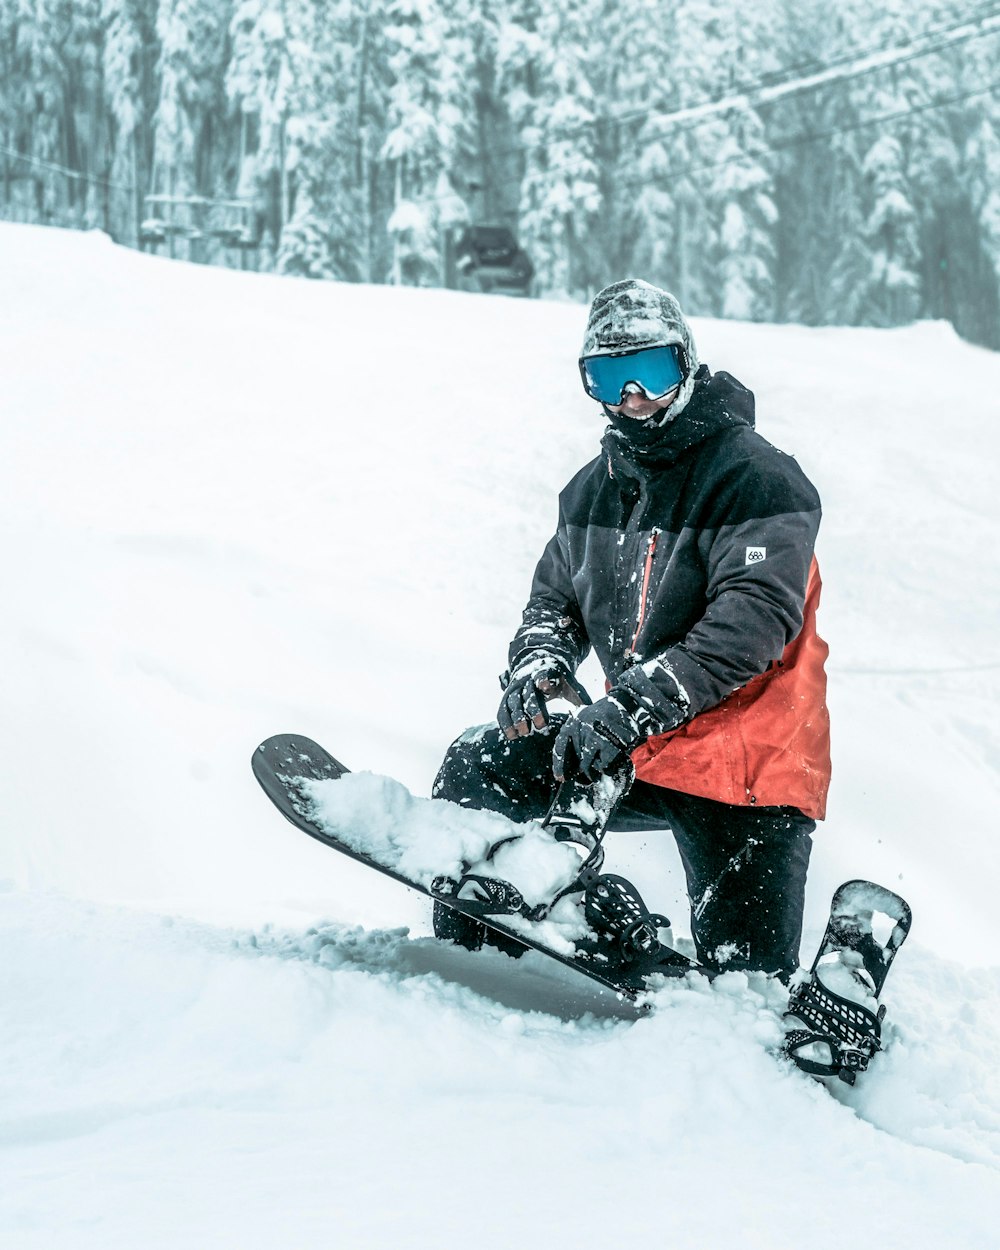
[[632, 314]]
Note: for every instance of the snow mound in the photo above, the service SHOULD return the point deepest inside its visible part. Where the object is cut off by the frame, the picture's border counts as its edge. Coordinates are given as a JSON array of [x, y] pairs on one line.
[[173, 1083]]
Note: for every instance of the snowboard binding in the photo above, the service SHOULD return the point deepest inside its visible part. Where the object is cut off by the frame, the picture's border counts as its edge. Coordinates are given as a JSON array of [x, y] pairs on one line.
[[614, 910], [849, 1030], [624, 939], [578, 814], [482, 896], [852, 1033]]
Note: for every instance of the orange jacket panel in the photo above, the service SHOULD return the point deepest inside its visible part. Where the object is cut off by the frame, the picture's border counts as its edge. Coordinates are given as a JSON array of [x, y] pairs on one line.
[[768, 743]]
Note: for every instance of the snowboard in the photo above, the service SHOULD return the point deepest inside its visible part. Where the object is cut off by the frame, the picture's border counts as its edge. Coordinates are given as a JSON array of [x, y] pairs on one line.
[[620, 950], [834, 1010], [836, 1014]]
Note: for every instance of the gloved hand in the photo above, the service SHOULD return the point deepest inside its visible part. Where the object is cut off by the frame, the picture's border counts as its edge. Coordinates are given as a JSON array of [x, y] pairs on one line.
[[533, 681], [596, 740]]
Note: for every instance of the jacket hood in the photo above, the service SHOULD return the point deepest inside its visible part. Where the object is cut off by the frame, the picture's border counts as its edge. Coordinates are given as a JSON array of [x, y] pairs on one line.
[[718, 402]]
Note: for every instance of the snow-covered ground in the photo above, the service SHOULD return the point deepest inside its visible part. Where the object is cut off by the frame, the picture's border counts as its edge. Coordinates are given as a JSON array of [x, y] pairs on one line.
[[236, 505]]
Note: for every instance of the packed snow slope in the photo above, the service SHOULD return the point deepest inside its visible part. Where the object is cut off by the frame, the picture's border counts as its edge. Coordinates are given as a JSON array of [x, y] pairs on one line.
[[236, 505]]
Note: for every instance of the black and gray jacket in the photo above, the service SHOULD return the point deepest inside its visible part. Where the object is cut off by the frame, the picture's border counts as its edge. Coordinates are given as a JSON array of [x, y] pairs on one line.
[[681, 556]]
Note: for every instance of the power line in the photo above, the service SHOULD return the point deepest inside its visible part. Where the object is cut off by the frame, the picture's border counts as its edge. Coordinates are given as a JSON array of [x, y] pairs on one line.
[[864, 124], [757, 94], [797, 68], [804, 139], [52, 167], [801, 140]]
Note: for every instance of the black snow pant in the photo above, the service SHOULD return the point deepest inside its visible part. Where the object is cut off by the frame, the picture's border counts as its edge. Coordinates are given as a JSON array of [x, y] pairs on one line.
[[745, 866]]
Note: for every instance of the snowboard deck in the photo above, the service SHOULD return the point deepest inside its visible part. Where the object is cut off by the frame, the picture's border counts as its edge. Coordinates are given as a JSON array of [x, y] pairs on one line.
[[282, 763], [850, 928]]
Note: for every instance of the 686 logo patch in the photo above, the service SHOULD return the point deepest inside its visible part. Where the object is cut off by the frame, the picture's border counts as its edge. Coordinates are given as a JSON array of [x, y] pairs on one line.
[[756, 554]]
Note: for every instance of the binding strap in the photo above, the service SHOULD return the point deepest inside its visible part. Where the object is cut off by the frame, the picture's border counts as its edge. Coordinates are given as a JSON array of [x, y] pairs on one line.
[[491, 896], [481, 896], [852, 1032]]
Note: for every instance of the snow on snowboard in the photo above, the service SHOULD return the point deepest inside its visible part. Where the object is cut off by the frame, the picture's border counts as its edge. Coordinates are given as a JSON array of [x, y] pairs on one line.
[[539, 885], [472, 877]]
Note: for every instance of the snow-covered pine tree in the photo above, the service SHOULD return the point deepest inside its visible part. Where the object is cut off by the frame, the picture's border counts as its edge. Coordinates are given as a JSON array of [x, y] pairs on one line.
[[322, 238], [811, 182], [890, 230], [122, 56], [325, 231], [891, 224], [972, 263], [190, 107], [702, 65], [428, 132], [743, 187], [258, 82], [748, 218], [545, 63], [365, 125], [983, 184], [33, 89], [84, 146], [634, 84], [838, 286], [486, 173]]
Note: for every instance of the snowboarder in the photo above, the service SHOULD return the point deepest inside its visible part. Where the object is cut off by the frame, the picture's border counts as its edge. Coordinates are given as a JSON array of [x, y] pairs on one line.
[[684, 557]]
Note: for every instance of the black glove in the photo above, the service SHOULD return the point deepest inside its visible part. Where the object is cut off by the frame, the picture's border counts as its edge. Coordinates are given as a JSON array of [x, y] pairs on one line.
[[536, 678], [597, 739]]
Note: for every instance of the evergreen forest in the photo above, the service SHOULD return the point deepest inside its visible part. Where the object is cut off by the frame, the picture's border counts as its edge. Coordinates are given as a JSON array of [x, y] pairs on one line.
[[774, 160]]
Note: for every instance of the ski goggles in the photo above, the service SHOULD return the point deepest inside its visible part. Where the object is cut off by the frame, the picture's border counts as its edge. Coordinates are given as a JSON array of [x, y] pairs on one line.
[[655, 370]]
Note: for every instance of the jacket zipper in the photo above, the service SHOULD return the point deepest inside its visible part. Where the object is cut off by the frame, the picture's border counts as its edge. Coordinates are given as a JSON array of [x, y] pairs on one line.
[[644, 592]]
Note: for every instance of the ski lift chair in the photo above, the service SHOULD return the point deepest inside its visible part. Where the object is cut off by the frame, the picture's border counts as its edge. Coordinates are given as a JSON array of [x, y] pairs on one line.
[[152, 232]]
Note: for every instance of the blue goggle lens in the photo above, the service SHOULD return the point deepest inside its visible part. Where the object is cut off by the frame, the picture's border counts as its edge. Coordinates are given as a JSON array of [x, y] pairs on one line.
[[655, 369]]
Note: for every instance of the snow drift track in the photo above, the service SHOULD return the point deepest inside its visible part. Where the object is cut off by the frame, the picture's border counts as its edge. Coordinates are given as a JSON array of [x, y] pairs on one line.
[[171, 1083]]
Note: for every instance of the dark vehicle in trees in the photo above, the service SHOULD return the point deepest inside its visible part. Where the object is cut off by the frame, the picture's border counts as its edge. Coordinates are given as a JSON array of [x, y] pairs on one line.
[[488, 259]]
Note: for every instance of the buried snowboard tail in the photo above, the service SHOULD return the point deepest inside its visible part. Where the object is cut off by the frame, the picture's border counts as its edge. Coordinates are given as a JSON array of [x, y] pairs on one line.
[[616, 941], [835, 1014]]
